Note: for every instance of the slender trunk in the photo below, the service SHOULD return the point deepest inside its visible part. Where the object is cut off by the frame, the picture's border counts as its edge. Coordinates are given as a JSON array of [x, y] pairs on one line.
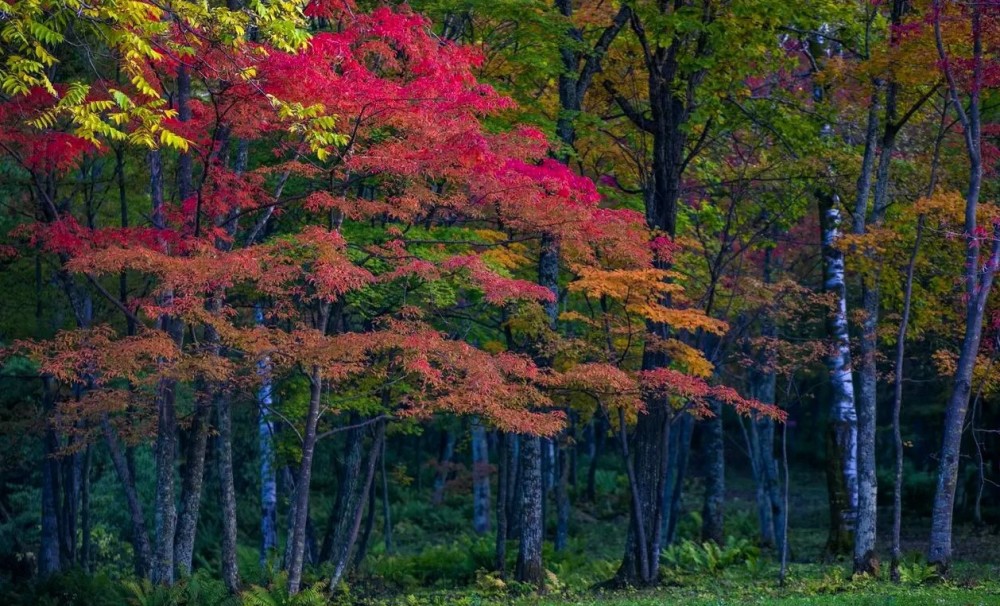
[[501, 505], [842, 468], [647, 470], [771, 479], [362, 551], [297, 540], [480, 479], [447, 452], [140, 538], [70, 468], [165, 509], [598, 432], [562, 499], [342, 556], [897, 404], [713, 455], [185, 179], [784, 528], [49, 560], [752, 438], [227, 494], [865, 558], [86, 538], [191, 486], [978, 282], [349, 492], [677, 473], [529, 554], [514, 500], [386, 510]]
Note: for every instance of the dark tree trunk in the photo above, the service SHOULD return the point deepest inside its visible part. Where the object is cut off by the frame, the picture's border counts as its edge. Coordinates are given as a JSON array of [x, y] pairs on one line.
[[49, 560], [897, 404], [386, 509], [514, 500], [713, 455], [529, 555], [86, 538], [140, 538], [191, 486], [297, 538], [503, 487], [349, 494], [70, 467], [362, 551], [598, 435], [562, 499], [181, 528], [671, 97], [227, 494], [445, 456], [646, 471], [342, 552], [681, 433]]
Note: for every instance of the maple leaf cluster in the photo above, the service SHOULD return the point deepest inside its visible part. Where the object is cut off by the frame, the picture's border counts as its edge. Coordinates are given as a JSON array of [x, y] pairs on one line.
[[382, 202]]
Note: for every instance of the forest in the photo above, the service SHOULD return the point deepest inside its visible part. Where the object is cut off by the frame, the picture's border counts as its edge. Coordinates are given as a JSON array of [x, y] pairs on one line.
[[624, 302]]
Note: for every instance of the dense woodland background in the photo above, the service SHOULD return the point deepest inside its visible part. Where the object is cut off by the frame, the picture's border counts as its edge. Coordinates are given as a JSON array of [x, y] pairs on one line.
[[465, 300]]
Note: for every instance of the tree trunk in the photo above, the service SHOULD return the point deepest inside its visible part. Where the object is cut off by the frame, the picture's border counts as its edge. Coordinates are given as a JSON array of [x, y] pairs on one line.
[[297, 538], [386, 510], [349, 492], [646, 471], [70, 468], [480, 479], [680, 441], [713, 453], [49, 560], [529, 554], [165, 508], [978, 282], [86, 544], [341, 557], [562, 498], [446, 454], [191, 487], [514, 498], [842, 437], [752, 436], [503, 488], [596, 446], [897, 404], [227, 494], [865, 558], [165, 449], [362, 550], [140, 538]]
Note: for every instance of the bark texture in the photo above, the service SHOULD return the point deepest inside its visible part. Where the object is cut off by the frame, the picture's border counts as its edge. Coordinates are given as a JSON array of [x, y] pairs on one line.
[[529, 555], [842, 436]]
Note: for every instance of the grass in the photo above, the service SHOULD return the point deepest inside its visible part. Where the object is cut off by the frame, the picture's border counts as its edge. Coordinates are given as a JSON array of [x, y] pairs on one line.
[[807, 584]]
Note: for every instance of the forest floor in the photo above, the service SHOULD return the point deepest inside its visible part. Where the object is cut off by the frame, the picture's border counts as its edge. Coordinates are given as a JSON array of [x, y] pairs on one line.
[[738, 574], [436, 560]]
